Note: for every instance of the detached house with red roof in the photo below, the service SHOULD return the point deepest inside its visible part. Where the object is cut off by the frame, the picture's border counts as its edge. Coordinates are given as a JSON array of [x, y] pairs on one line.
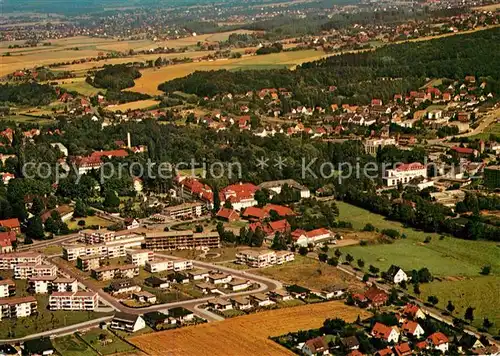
[[412, 328], [227, 215], [94, 161], [304, 238], [11, 225], [464, 151], [376, 297], [403, 349], [316, 346], [438, 341], [384, 332], [254, 213], [281, 210], [413, 312]]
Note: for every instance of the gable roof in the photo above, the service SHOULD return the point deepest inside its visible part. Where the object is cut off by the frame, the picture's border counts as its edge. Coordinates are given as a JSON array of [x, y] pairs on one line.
[[131, 318], [438, 338], [317, 344], [381, 331], [402, 349], [392, 271], [279, 209], [410, 326], [226, 213]]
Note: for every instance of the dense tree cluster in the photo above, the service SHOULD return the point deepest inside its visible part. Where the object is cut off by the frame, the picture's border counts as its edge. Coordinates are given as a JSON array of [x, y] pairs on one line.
[[115, 77], [381, 73], [30, 94]]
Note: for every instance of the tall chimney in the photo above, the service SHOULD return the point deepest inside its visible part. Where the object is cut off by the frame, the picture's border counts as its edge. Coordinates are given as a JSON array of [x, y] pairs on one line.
[[129, 143]]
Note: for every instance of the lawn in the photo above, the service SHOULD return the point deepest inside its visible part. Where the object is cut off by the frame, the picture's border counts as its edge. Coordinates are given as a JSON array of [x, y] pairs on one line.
[[81, 86], [89, 221], [480, 293], [44, 321], [134, 105], [93, 337], [309, 273], [494, 128], [446, 257], [72, 346]]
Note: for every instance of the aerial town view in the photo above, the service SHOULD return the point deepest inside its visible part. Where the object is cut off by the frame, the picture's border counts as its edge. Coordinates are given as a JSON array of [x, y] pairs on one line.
[[250, 177]]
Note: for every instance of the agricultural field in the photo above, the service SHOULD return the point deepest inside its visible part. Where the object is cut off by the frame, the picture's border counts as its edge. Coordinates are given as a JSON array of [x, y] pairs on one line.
[[444, 257], [244, 335], [493, 128], [309, 273], [80, 86], [491, 7], [152, 77], [480, 293], [89, 221], [134, 105], [72, 346]]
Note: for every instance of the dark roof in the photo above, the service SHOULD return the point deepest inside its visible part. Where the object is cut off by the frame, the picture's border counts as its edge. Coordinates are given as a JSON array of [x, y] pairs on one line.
[[121, 283], [350, 342], [294, 288], [155, 316], [154, 281], [126, 317], [8, 349], [38, 346], [179, 312], [391, 272]]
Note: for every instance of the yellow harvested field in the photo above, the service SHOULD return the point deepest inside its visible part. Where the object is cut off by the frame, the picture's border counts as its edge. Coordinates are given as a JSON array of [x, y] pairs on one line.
[[134, 105], [245, 335], [310, 273], [152, 77]]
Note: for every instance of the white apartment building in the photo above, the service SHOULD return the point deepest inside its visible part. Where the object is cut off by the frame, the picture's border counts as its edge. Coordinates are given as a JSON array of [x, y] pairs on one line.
[[404, 174], [41, 285], [182, 265], [113, 249], [73, 301], [139, 257], [159, 266], [17, 307], [372, 145], [7, 288], [29, 270], [65, 285], [10, 260], [259, 259]]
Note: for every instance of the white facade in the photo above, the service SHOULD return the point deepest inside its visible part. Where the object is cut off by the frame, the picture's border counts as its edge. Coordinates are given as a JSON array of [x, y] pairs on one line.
[[6, 288], [28, 270], [73, 301], [10, 260], [260, 259], [400, 276], [139, 257], [182, 265], [372, 145], [159, 266], [404, 174], [112, 249]]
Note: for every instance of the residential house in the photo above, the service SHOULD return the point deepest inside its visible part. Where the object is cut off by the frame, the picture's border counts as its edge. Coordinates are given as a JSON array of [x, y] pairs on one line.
[[412, 328], [350, 343], [219, 278], [127, 322], [331, 292], [316, 346], [376, 297], [144, 297], [279, 296], [178, 277], [227, 214], [396, 275], [12, 308], [384, 332], [181, 315], [156, 282], [199, 275], [298, 292], [403, 349], [438, 341], [11, 225], [125, 286], [155, 319], [207, 288], [260, 300], [220, 304], [414, 312], [241, 303]]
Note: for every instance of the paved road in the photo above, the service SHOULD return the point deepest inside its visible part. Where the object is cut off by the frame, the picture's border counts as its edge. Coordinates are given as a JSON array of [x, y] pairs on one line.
[[61, 331], [41, 244], [265, 285]]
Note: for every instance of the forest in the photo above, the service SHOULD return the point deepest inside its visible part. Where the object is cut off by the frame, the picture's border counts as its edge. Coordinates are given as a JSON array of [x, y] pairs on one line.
[[29, 94], [382, 73], [115, 77]]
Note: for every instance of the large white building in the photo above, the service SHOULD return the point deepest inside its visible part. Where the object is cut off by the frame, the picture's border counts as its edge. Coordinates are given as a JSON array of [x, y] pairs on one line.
[[111, 249], [160, 266], [10, 260], [17, 307], [29, 270], [259, 259], [275, 186], [73, 301], [7, 288], [47, 284], [139, 257], [404, 174], [372, 145]]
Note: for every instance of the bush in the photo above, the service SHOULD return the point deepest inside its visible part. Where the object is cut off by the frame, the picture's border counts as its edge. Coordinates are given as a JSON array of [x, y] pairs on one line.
[[81, 223], [427, 239], [393, 234], [369, 227]]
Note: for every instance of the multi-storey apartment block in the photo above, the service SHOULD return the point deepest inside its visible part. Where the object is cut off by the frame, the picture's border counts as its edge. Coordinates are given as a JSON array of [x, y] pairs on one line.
[[10, 260], [48, 284], [113, 249], [7, 288], [159, 266], [181, 240], [259, 259], [17, 307], [114, 272], [88, 263], [29, 270], [139, 257], [73, 301]]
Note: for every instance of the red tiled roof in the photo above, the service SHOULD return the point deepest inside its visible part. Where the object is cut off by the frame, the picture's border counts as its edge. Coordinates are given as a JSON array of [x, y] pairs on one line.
[[8, 236], [318, 344], [381, 331], [317, 232], [410, 326], [10, 223], [411, 310], [238, 192], [226, 213], [403, 349], [384, 352], [464, 150], [254, 212], [279, 209], [374, 293], [279, 226], [438, 338], [355, 353], [422, 345], [410, 167]]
